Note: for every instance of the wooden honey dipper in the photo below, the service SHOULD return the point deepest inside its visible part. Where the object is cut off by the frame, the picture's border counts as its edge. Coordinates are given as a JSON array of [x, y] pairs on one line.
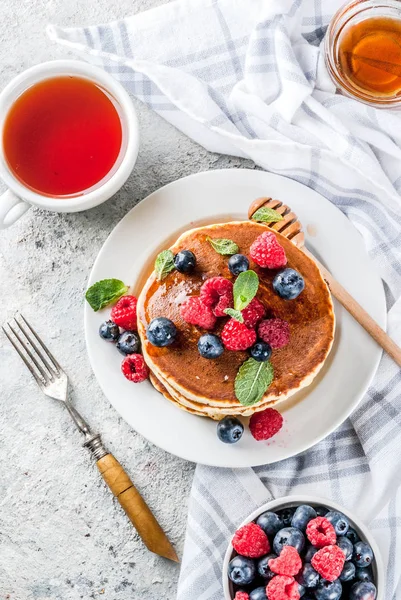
[[291, 228]]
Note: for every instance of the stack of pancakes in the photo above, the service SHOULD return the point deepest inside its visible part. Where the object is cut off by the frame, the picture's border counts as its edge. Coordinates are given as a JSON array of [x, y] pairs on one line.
[[206, 387]]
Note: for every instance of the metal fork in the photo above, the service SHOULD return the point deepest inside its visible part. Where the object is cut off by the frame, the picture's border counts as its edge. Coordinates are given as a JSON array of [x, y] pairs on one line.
[[53, 382]]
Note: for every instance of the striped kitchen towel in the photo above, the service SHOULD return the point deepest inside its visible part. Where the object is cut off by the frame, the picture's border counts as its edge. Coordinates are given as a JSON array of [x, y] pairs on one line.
[[247, 78]]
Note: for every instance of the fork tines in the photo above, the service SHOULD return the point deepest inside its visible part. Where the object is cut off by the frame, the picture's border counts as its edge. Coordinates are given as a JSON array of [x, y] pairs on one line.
[[36, 356]]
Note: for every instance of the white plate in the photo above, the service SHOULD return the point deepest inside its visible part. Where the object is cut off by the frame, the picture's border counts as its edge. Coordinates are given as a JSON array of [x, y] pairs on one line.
[[218, 196]]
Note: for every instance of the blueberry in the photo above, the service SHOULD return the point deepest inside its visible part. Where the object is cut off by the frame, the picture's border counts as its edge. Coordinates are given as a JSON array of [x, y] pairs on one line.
[[263, 567], [352, 535], [364, 574], [241, 570], [185, 261], [270, 522], [210, 346], [161, 332], [302, 516], [328, 591], [308, 577], [363, 591], [289, 536], [301, 590], [348, 572], [363, 555], [129, 343], [109, 331], [230, 430], [286, 515], [258, 594], [339, 522], [238, 263], [261, 351], [346, 546], [321, 511], [288, 284], [310, 553]]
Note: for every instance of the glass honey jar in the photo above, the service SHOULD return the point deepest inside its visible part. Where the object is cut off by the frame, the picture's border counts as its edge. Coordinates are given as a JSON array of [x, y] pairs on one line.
[[363, 51]]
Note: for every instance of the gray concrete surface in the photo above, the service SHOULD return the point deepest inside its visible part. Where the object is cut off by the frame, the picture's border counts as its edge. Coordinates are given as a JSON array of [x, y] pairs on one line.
[[62, 537]]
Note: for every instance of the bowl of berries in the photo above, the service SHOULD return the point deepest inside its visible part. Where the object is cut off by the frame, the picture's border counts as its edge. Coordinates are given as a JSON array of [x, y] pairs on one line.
[[299, 547]]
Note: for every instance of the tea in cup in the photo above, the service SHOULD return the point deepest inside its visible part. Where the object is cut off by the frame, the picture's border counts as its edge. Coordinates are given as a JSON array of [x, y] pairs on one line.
[[69, 139]]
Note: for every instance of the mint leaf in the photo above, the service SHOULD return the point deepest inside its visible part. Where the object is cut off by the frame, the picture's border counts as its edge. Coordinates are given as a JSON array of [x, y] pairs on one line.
[[245, 289], [105, 292], [252, 381], [164, 264], [235, 314], [223, 246], [266, 215]]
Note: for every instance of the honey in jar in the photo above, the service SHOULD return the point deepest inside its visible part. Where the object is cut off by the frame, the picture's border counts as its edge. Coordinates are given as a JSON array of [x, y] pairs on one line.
[[369, 56]]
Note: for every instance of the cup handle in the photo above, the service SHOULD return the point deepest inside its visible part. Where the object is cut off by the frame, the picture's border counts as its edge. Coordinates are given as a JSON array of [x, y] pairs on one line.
[[11, 208]]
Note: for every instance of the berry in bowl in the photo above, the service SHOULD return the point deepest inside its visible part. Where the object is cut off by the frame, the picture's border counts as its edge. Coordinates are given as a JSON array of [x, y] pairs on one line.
[[302, 547]]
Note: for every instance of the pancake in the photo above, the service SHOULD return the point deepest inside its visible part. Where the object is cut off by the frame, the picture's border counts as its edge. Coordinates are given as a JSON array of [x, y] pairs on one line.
[[201, 409], [206, 386], [160, 388]]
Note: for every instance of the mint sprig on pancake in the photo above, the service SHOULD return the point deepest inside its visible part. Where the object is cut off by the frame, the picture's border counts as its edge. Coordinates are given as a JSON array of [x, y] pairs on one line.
[[252, 381], [266, 215], [164, 264], [235, 314], [245, 289], [105, 292], [223, 246]]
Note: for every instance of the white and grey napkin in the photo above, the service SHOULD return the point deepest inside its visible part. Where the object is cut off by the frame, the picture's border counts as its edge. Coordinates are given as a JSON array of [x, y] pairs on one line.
[[248, 78]]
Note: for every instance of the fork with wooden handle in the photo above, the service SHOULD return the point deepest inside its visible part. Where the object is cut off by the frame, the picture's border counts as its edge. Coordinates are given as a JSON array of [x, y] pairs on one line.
[[291, 228], [53, 382]]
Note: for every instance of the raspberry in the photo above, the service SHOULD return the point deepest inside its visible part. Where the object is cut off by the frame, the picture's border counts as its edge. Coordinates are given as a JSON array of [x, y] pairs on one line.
[[251, 541], [288, 563], [282, 587], [217, 293], [135, 368], [253, 313], [320, 532], [195, 312], [275, 332], [237, 336], [124, 313], [264, 425], [267, 252], [329, 562], [241, 596]]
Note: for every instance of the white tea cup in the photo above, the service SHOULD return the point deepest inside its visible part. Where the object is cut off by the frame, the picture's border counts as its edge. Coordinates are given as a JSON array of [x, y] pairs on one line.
[[18, 198]]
